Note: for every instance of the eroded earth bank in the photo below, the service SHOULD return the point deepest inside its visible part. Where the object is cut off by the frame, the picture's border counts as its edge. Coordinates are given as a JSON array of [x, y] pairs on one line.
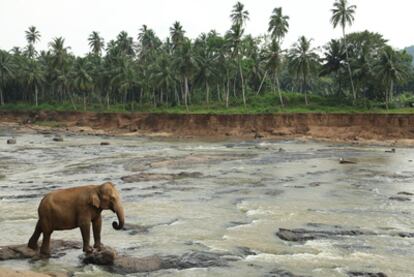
[[229, 208], [356, 128]]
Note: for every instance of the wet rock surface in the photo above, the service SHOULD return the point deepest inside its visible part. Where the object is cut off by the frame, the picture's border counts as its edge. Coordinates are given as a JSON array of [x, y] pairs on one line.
[[366, 274], [127, 264], [11, 141], [145, 177], [303, 235], [21, 251], [282, 273]]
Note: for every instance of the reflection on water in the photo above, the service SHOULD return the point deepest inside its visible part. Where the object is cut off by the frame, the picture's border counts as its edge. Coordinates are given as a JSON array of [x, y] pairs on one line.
[[246, 191]]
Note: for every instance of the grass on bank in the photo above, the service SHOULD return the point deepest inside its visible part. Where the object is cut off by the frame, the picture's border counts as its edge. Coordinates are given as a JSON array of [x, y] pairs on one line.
[[267, 104]]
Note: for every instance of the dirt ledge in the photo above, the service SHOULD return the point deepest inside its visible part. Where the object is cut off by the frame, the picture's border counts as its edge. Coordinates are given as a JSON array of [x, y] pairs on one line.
[[387, 129]]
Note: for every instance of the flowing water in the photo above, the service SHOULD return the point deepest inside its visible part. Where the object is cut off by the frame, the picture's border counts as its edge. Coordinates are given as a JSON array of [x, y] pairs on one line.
[[247, 191]]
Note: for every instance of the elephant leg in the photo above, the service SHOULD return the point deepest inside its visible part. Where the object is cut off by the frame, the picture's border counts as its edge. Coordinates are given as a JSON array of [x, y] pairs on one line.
[[35, 237], [97, 227], [45, 248], [86, 236]]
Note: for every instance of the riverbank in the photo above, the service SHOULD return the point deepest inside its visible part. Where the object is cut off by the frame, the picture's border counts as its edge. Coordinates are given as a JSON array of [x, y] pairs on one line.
[[385, 129]]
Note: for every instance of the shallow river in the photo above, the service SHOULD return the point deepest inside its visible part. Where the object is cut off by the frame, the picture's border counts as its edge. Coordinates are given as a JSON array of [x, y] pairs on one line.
[[245, 193]]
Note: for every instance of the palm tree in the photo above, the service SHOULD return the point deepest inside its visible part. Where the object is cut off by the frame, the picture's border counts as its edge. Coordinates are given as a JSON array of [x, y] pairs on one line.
[[239, 16], [390, 69], [82, 78], [303, 61], [177, 34], [35, 77], [96, 43], [273, 63], [32, 35], [343, 15], [7, 68], [278, 25], [125, 43], [185, 65]]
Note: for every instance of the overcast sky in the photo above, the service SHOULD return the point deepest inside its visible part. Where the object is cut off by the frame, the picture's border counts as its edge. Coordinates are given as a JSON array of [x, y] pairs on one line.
[[75, 19]]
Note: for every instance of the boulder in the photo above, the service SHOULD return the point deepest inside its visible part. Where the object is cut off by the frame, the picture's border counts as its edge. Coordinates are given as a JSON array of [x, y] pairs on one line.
[[400, 198], [105, 143], [303, 235], [58, 138], [11, 141]]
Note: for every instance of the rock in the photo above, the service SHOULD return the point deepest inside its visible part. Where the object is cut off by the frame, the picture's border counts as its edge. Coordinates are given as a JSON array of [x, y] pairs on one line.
[[400, 198], [302, 235], [342, 161], [145, 177], [391, 151], [366, 274], [11, 141], [5, 272], [13, 252], [281, 273], [58, 138], [105, 143], [104, 257], [406, 193], [281, 150], [200, 259], [134, 229], [258, 135], [406, 235], [126, 264]]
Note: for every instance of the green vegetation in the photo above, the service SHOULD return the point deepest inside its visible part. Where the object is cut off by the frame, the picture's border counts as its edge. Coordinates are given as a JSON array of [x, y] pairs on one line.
[[230, 73]]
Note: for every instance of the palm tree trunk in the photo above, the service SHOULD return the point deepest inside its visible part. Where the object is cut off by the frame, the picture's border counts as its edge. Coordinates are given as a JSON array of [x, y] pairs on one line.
[[228, 92], [107, 99], [186, 92], [242, 83], [391, 91], [262, 83], [282, 104], [207, 93], [84, 101], [349, 67], [1, 97], [36, 96]]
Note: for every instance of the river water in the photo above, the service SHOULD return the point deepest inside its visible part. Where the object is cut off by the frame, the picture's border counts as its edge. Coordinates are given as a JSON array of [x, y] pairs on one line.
[[245, 193]]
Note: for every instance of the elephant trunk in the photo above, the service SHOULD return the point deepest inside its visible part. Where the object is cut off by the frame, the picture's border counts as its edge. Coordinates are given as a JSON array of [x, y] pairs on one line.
[[121, 218]]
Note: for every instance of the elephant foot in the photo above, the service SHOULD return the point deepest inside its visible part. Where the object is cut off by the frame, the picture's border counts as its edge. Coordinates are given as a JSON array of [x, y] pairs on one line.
[[44, 254], [87, 249], [99, 246], [33, 246]]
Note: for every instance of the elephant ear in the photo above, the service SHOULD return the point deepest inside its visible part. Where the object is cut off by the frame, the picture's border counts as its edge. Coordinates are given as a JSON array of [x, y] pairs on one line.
[[94, 200]]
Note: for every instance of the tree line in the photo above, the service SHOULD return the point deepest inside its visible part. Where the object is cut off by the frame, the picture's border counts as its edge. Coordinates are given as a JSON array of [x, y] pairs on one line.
[[228, 69]]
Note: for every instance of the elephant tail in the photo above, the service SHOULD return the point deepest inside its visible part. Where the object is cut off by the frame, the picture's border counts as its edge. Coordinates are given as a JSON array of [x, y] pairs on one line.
[[35, 237]]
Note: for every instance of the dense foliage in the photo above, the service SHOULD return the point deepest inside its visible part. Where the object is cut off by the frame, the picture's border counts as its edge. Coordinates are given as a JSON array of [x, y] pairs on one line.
[[213, 70]]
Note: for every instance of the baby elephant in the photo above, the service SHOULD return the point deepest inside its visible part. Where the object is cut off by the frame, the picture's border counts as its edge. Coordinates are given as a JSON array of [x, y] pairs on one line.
[[77, 207]]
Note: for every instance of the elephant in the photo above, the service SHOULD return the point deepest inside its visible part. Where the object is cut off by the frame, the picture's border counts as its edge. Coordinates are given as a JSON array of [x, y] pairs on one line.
[[67, 209]]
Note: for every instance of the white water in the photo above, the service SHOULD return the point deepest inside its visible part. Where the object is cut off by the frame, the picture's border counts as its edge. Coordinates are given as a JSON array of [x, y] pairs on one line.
[[248, 191]]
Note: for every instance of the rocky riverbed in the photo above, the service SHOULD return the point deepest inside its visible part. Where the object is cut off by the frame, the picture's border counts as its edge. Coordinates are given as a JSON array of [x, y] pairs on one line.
[[232, 208]]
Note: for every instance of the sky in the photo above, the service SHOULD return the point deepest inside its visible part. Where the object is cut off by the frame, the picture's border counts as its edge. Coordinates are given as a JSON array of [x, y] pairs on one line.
[[76, 19]]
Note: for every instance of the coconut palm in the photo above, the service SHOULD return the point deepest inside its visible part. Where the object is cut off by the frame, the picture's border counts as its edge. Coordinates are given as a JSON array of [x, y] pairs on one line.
[[32, 35], [186, 65], [303, 61], [343, 15], [35, 77], [390, 69], [7, 69], [177, 34], [82, 78], [96, 43], [125, 43], [239, 16], [273, 61], [278, 25]]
